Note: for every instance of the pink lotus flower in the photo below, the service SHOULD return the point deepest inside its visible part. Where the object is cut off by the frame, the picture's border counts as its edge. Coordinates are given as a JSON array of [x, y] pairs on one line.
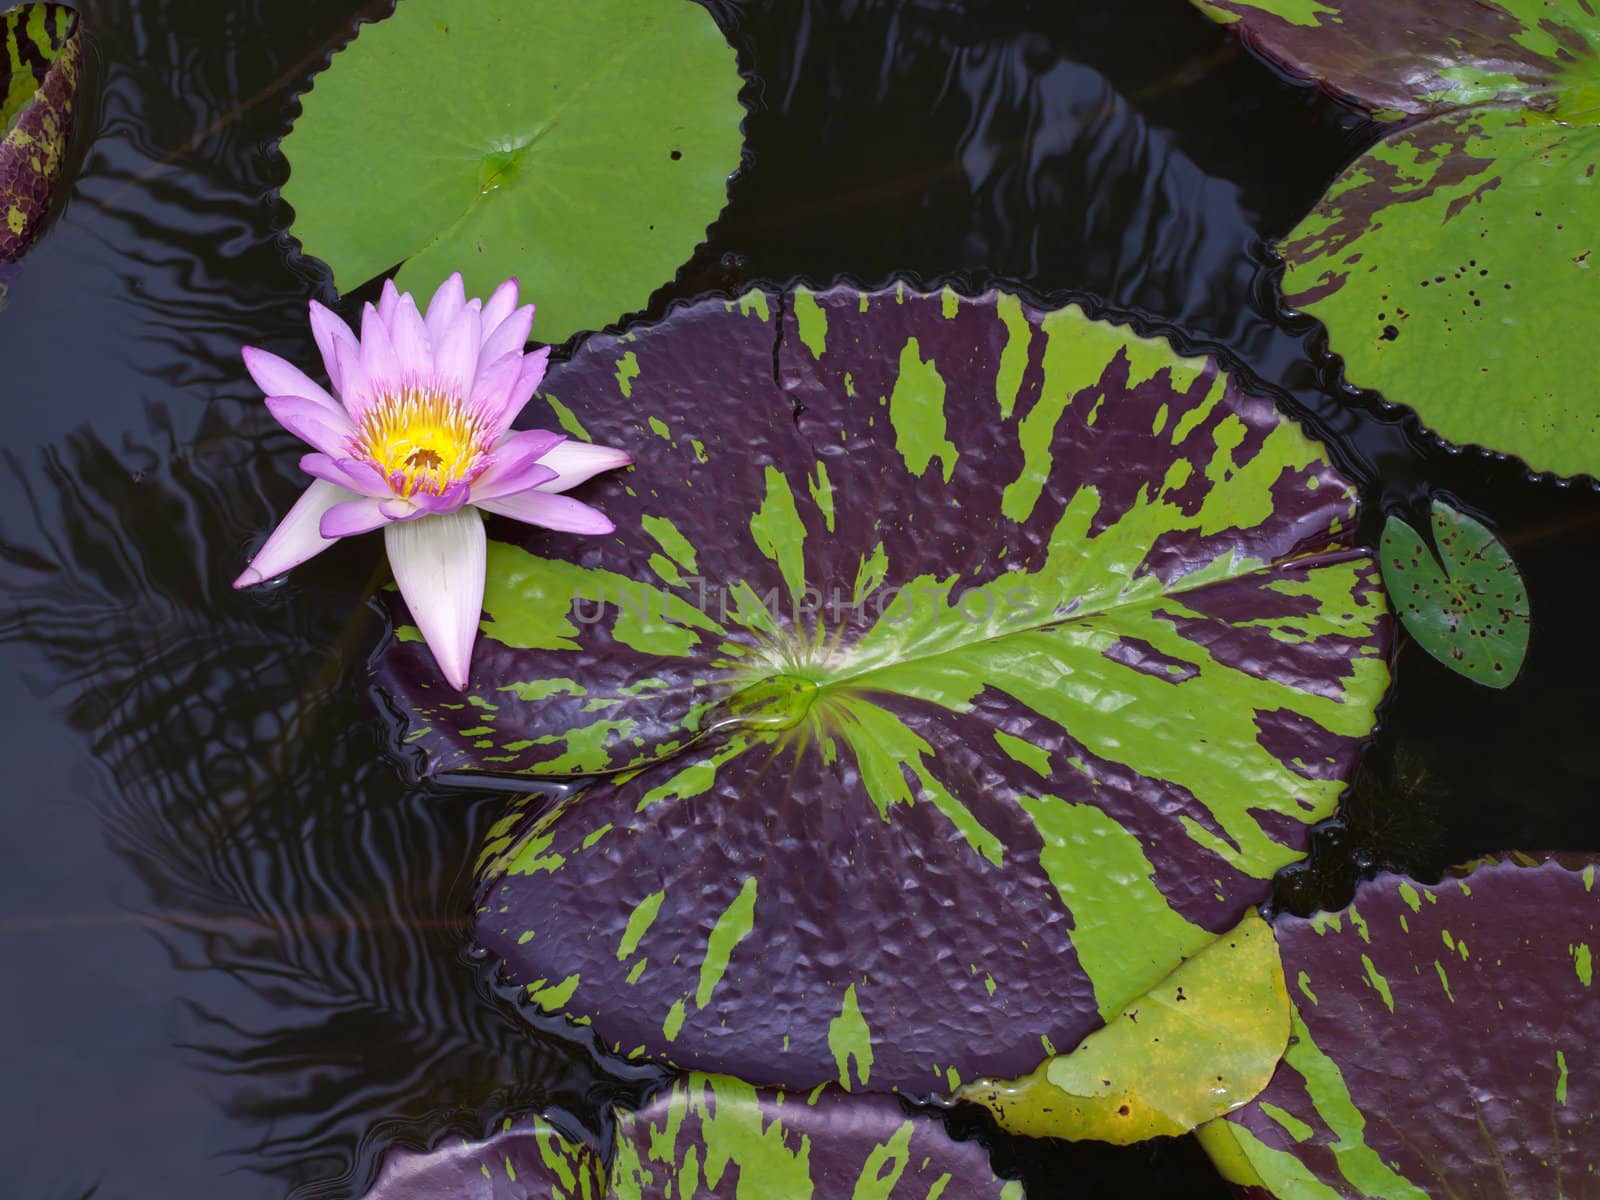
[[418, 439]]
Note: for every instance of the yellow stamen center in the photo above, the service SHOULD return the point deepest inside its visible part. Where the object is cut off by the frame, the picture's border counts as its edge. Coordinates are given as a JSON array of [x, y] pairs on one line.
[[422, 438]]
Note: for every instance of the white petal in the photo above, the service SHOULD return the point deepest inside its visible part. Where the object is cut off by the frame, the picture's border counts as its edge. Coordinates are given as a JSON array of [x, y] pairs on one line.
[[574, 462], [297, 536], [561, 513], [438, 561]]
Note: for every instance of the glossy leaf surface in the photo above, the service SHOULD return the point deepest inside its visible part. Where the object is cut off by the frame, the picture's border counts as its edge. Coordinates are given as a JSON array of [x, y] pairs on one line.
[[1454, 265], [1423, 56], [1446, 1043], [525, 1158], [966, 667], [716, 1139], [1199, 1044], [38, 89], [722, 1139], [1468, 607], [583, 148]]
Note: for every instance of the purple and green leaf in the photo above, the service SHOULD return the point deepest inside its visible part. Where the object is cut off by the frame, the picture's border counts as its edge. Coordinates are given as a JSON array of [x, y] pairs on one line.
[[525, 1158], [1406, 57], [716, 1139], [1467, 607], [723, 1139], [1453, 263], [958, 668], [1446, 1043], [38, 88]]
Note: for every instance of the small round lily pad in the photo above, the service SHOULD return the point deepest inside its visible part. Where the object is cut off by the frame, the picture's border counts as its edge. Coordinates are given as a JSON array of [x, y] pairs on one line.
[[1467, 607]]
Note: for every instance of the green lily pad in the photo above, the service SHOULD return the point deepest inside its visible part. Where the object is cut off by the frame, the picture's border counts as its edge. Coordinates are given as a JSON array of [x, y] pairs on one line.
[[1201, 1043], [583, 148], [1446, 1043], [1467, 607], [917, 605], [38, 88], [1457, 267]]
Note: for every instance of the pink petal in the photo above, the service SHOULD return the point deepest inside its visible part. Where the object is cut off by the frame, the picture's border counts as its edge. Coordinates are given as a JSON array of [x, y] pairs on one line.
[[412, 349], [297, 536], [455, 356], [561, 513], [362, 515], [446, 304], [347, 473], [330, 331], [494, 386], [511, 335], [377, 350], [500, 306], [278, 377], [313, 424], [452, 498], [574, 462], [357, 391], [388, 301], [529, 376], [438, 562], [516, 465]]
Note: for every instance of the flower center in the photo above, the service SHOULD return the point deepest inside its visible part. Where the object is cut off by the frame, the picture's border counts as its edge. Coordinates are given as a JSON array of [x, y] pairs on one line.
[[422, 438]]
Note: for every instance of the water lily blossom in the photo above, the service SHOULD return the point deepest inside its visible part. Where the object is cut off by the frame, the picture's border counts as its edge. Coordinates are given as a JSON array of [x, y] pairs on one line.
[[414, 437]]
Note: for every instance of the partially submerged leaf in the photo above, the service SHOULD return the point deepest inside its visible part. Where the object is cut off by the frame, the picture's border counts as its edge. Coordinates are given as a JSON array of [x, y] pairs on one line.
[[525, 1158], [1399, 57], [721, 1139], [1446, 1042], [711, 1138], [1199, 1044], [1467, 607], [38, 88], [583, 148], [965, 667]]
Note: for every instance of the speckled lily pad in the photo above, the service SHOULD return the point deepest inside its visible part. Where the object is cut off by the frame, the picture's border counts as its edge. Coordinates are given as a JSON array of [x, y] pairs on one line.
[[1467, 607]]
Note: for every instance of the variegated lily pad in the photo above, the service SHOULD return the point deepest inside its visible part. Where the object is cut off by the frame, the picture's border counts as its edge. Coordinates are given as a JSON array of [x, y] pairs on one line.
[[1455, 262], [722, 1139], [526, 1158], [1446, 1043], [1400, 57], [959, 668], [715, 1139], [38, 88]]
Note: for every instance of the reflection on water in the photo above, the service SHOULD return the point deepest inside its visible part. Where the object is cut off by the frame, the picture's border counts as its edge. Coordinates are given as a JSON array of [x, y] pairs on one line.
[[310, 915], [235, 936]]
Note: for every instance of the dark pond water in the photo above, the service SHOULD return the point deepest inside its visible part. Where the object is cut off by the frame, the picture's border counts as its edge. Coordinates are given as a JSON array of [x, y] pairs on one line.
[[235, 937]]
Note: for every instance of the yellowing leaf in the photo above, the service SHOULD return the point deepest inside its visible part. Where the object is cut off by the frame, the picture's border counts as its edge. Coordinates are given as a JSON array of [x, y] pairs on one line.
[[1201, 1043]]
